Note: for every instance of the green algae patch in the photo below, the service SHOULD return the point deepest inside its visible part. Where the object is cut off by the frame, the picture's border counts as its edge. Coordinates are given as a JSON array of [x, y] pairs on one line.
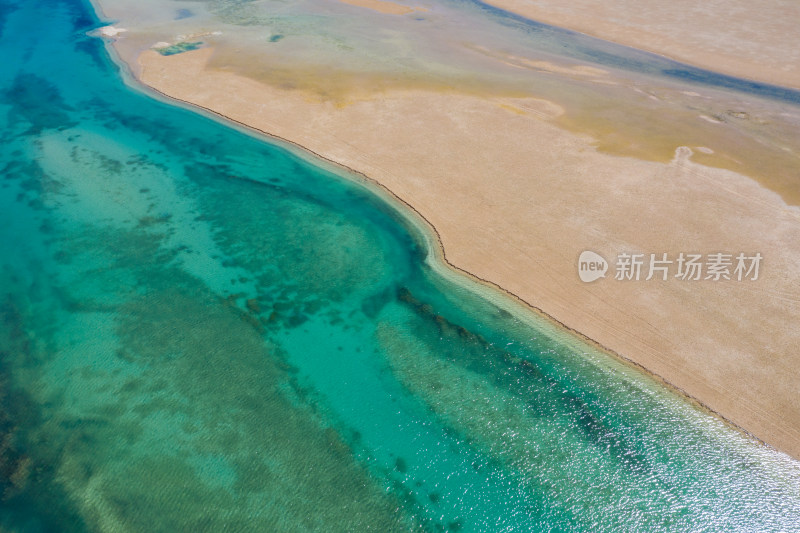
[[179, 48]]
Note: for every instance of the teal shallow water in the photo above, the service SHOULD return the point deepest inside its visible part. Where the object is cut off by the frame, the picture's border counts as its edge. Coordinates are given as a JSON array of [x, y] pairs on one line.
[[200, 331]]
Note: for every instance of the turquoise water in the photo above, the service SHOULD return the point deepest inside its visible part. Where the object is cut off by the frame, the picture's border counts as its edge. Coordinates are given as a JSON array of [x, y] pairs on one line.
[[200, 331]]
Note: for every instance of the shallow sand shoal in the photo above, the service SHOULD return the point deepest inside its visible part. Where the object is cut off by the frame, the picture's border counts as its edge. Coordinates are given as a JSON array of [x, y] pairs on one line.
[[515, 200], [753, 40], [381, 6]]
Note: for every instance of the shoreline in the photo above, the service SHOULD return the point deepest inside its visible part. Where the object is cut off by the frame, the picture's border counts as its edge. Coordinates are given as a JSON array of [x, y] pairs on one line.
[[705, 361], [522, 309]]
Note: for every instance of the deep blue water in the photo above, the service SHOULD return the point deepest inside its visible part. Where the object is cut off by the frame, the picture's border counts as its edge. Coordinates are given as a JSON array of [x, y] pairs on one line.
[[200, 331]]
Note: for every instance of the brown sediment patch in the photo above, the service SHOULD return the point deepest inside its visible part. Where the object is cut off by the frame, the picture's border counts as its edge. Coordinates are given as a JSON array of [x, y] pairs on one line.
[[582, 71], [382, 6], [342, 84], [651, 122], [759, 145]]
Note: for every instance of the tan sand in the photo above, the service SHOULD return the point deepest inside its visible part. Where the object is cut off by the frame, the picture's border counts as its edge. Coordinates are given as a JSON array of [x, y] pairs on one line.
[[381, 6], [756, 40], [515, 199]]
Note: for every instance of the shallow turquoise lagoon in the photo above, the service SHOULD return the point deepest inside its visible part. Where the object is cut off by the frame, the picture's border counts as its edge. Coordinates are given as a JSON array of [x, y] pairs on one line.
[[200, 331]]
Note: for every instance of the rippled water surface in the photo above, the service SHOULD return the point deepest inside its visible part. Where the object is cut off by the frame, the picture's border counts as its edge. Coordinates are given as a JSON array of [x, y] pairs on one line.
[[200, 331]]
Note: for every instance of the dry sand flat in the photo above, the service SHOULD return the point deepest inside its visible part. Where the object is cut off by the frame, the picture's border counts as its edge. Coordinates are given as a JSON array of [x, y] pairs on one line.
[[751, 39], [516, 199]]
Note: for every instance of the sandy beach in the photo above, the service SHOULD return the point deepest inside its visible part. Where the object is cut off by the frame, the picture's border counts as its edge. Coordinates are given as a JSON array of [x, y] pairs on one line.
[[515, 199], [754, 40]]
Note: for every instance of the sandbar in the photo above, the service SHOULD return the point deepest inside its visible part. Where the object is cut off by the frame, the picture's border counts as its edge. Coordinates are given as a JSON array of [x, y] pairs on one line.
[[381, 6], [754, 40]]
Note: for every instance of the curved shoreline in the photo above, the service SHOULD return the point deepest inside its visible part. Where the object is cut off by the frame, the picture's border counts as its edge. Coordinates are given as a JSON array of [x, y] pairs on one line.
[[495, 293]]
